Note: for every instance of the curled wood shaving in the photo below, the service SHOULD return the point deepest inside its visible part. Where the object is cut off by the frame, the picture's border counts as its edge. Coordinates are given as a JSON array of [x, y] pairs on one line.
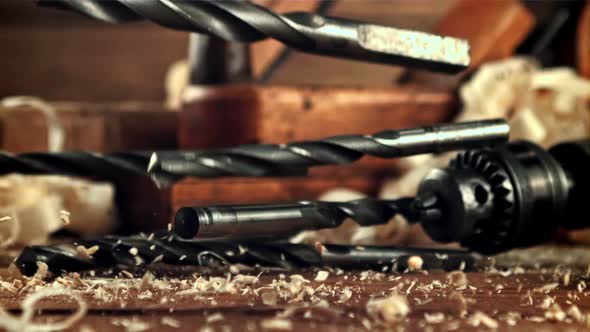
[[277, 324], [86, 253], [546, 288], [24, 324], [390, 309]]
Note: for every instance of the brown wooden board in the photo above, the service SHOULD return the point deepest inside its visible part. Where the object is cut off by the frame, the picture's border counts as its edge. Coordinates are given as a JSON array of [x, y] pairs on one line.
[[98, 127]]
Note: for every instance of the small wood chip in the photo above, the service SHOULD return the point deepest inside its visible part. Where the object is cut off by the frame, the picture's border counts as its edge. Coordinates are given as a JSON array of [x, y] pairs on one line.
[[457, 279], [269, 297], [86, 253], [277, 324], [345, 296], [390, 309], [216, 317], [460, 303], [169, 321], [322, 276], [5, 219], [555, 313], [434, 318], [479, 318], [133, 251], [415, 263], [574, 312], [65, 217]]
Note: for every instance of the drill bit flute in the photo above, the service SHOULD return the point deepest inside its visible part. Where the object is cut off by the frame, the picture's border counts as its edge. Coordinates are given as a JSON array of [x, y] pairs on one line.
[[259, 160], [312, 33]]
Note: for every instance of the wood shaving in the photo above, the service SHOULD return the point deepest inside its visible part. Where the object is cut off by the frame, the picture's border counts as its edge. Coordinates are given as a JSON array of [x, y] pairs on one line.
[[216, 317], [86, 253], [133, 251], [581, 286], [460, 303], [269, 297], [158, 258], [6, 219], [390, 309], [555, 313], [479, 318], [322, 276], [132, 325], [147, 281], [415, 263], [546, 288], [65, 217], [345, 296], [458, 279], [24, 322], [276, 324], [574, 312], [434, 318], [169, 321]]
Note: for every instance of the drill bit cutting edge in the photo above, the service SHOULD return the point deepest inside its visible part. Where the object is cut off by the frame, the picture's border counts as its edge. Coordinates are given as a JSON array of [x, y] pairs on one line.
[[312, 33], [297, 157]]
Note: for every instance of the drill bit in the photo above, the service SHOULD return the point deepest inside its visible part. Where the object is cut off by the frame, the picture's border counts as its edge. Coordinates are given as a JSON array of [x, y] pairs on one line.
[[312, 33], [114, 251], [265, 220], [270, 159], [87, 164], [166, 167]]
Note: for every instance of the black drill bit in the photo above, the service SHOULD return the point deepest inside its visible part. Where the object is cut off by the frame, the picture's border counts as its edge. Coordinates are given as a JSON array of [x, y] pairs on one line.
[[247, 22], [242, 221], [85, 164], [297, 157], [257, 160], [115, 251]]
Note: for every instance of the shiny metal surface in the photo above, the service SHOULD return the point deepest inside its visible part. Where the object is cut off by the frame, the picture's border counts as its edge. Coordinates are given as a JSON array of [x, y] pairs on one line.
[[246, 22]]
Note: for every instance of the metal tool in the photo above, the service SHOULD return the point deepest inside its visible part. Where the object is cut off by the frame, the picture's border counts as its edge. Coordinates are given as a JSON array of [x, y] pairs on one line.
[[115, 251], [282, 219], [312, 33], [489, 200], [515, 195], [297, 157], [166, 167]]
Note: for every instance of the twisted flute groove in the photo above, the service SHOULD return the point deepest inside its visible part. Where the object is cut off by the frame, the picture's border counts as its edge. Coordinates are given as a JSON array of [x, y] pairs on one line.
[[246, 22], [296, 158]]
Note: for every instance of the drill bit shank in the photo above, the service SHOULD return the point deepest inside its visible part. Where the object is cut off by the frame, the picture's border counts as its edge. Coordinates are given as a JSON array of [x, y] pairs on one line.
[[283, 219], [312, 33], [297, 157]]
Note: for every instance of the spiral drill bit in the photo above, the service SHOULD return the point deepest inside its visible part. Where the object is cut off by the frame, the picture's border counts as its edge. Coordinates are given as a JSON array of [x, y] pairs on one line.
[[85, 164], [312, 33], [297, 157], [114, 251], [242, 221]]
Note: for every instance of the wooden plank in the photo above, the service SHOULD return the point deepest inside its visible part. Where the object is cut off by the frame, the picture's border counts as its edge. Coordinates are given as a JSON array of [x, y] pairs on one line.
[[98, 127], [494, 30]]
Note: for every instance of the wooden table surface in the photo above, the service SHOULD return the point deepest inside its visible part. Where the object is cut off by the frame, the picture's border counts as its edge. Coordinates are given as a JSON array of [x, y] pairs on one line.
[[517, 298]]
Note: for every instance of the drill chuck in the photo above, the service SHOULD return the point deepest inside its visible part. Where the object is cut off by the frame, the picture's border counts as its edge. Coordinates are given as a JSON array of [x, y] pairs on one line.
[[515, 195]]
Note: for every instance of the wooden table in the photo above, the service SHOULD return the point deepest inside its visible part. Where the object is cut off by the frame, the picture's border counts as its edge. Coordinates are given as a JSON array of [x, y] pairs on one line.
[[516, 299]]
